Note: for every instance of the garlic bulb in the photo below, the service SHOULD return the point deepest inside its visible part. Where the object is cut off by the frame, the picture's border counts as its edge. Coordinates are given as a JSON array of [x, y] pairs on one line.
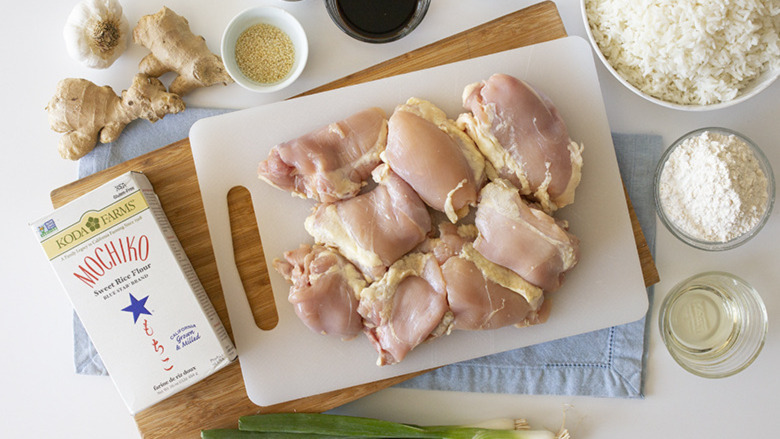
[[96, 33]]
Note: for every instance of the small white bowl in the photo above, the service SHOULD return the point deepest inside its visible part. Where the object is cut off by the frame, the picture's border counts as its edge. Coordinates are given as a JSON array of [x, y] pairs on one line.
[[270, 15], [759, 84]]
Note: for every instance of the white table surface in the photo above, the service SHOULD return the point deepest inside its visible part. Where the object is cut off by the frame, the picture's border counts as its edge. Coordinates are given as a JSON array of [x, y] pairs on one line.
[[41, 396]]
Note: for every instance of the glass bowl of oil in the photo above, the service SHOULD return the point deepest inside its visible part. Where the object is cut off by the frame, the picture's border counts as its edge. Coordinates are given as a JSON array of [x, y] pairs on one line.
[[714, 324]]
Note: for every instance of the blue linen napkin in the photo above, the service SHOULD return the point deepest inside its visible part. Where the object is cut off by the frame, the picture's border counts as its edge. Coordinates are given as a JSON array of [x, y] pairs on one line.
[[607, 363]]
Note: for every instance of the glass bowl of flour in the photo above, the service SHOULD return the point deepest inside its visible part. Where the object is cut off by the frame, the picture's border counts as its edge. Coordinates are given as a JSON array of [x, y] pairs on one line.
[[714, 189]]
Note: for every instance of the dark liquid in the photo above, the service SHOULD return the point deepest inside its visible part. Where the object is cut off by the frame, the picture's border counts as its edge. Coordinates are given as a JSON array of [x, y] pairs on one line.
[[377, 17]]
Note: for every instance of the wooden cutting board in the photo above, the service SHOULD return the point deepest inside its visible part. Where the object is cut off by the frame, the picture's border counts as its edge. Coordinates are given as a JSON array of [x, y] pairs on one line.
[[220, 399]]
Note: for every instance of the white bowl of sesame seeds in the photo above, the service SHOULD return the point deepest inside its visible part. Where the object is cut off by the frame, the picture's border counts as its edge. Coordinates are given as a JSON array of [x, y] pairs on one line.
[[264, 49]]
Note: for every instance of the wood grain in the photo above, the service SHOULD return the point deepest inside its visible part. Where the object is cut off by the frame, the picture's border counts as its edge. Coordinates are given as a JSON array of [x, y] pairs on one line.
[[649, 270], [535, 24], [218, 401], [250, 258]]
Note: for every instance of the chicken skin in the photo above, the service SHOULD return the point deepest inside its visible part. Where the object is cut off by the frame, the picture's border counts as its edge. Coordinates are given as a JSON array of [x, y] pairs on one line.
[[405, 308], [479, 303], [437, 159], [523, 238], [481, 295], [492, 180], [376, 228], [325, 290], [330, 163], [523, 136]]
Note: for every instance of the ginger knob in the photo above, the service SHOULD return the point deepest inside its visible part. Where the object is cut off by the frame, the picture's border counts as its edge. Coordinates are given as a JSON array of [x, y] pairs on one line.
[[176, 49], [87, 113]]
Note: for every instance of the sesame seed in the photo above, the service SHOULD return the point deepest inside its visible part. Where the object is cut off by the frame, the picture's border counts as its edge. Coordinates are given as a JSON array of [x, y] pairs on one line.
[[265, 53]]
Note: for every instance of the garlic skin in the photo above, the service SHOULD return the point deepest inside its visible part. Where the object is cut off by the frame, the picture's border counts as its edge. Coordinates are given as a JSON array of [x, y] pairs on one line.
[[96, 33]]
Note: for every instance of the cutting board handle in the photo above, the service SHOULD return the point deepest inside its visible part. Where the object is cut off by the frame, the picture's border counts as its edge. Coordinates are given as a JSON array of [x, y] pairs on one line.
[[250, 259]]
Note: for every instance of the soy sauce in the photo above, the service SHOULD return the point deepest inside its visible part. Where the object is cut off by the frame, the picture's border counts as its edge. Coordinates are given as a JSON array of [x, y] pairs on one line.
[[376, 18]]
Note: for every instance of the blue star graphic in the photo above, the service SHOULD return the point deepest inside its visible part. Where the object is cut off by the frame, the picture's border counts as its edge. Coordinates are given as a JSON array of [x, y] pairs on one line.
[[137, 307]]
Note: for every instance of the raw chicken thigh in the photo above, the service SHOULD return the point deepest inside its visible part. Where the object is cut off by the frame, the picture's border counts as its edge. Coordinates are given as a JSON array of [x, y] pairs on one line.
[[521, 133], [330, 163], [522, 238], [450, 241], [481, 294], [376, 228], [479, 303], [378, 267], [405, 308], [325, 290], [437, 159]]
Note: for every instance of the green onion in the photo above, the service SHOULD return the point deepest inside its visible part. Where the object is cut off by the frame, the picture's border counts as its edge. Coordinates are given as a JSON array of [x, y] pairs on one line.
[[314, 424], [231, 434], [322, 424], [239, 434]]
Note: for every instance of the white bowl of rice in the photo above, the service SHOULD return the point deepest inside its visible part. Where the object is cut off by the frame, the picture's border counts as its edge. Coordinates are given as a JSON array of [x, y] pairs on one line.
[[686, 54]]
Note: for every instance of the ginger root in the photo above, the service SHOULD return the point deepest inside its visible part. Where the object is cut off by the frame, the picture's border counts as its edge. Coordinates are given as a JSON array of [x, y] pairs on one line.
[[86, 112], [176, 49]]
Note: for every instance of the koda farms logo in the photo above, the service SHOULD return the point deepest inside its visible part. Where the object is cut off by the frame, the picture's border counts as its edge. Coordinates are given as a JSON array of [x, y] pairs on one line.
[[59, 240], [93, 223], [77, 234]]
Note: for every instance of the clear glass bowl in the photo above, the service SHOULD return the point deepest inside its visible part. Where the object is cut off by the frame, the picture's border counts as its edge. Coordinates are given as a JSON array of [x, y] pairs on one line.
[[714, 324], [694, 241]]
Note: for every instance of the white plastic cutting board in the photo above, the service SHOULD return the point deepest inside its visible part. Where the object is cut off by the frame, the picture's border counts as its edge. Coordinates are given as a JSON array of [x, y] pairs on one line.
[[289, 361]]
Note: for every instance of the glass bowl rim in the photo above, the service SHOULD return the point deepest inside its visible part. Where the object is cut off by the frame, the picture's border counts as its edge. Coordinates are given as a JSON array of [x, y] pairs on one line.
[[678, 233], [675, 292]]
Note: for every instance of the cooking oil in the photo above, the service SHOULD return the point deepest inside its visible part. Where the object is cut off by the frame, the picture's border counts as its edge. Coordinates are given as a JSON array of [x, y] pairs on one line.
[[703, 319], [714, 324]]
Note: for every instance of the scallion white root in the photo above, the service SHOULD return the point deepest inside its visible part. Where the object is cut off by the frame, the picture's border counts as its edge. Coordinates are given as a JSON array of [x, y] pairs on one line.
[[522, 426]]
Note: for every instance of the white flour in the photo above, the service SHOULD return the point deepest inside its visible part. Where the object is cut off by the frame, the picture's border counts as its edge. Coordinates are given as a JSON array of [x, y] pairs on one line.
[[713, 188]]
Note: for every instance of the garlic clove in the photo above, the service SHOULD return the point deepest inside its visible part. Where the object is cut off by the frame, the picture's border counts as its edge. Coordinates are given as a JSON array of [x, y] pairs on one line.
[[96, 33]]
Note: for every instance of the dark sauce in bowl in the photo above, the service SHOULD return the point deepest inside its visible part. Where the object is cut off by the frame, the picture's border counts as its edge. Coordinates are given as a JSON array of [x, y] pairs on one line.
[[377, 21]]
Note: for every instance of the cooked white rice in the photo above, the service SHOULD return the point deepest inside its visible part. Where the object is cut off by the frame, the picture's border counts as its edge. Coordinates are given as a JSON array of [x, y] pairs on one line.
[[690, 52]]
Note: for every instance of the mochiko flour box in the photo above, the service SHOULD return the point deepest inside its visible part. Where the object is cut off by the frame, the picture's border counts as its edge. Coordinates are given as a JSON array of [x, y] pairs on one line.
[[135, 291]]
